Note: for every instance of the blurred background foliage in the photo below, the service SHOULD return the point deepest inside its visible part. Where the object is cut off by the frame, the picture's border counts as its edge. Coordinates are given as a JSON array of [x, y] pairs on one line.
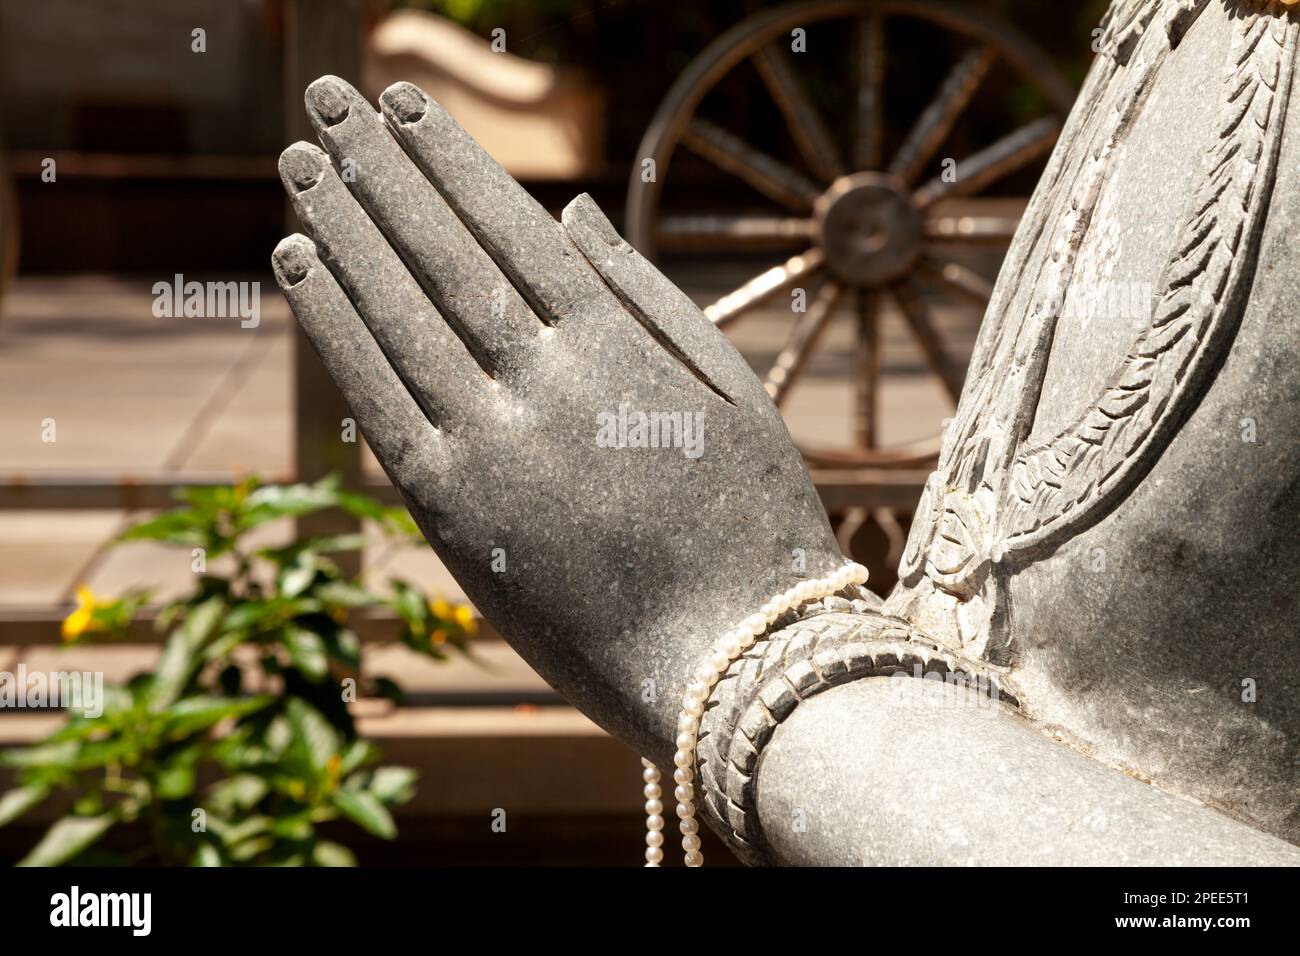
[[239, 747]]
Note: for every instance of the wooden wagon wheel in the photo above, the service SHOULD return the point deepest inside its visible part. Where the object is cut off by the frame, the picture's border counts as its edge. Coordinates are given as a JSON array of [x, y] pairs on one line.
[[866, 225]]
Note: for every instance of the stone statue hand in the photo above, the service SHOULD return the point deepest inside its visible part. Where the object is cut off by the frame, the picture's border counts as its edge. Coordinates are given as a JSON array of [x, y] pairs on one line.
[[589, 456]]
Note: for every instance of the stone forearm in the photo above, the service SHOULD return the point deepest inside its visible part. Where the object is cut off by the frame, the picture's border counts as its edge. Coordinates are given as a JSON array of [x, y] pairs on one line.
[[864, 775], [812, 753]]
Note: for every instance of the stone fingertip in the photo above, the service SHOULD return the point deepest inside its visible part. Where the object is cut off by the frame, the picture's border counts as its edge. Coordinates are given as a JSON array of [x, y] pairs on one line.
[[301, 166], [406, 102], [330, 98], [582, 214], [292, 260]]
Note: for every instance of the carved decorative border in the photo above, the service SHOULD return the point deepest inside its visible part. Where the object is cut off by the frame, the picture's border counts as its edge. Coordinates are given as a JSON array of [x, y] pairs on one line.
[[762, 689], [991, 497], [1067, 482]]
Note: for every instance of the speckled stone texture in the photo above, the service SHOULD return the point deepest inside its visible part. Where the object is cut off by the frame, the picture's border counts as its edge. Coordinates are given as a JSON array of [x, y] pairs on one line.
[[1109, 541]]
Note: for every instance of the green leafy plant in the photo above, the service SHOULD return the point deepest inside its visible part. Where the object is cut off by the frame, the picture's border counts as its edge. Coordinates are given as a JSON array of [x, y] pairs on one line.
[[239, 745]]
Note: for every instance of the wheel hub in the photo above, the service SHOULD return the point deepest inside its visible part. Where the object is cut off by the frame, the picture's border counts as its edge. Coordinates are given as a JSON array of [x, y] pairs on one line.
[[868, 229]]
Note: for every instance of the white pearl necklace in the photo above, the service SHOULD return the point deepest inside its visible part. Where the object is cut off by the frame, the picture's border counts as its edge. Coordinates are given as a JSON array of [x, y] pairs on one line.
[[725, 650]]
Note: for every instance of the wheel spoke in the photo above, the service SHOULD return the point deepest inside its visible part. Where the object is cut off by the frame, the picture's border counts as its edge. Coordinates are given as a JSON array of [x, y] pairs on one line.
[[868, 368], [968, 229], [937, 120], [870, 127], [769, 176], [854, 520], [763, 286], [733, 232], [1004, 157], [966, 282], [920, 318], [805, 123], [803, 340]]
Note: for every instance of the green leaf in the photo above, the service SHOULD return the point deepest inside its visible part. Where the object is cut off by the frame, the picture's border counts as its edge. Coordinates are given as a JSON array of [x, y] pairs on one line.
[[358, 753], [248, 849], [326, 853], [394, 521], [287, 501], [314, 738], [206, 855], [200, 712], [67, 838], [363, 809], [342, 594], [175, 783], [61, 754], [243, 830], [297, 579], [393, 785], [308, 652], [19, 800], [185, 527], [323, 544], [361, 506], [180, 657], [294, 827], [110, 750], [239, 792], [344, 645]]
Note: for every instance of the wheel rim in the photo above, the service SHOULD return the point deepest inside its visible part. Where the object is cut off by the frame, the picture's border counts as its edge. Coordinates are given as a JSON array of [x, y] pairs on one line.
[[866, 224]]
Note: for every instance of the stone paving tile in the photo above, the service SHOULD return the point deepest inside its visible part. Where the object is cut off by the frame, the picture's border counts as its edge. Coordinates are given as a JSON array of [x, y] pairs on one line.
[[43, 552], [253, 431]]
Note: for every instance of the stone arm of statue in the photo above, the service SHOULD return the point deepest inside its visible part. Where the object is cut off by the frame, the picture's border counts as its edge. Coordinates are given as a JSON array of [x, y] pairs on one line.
[[613, 489]]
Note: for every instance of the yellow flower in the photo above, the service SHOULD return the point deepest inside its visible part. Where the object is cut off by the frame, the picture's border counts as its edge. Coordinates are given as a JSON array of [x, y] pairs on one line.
[[440, 609], [83, 618], [465, 618]]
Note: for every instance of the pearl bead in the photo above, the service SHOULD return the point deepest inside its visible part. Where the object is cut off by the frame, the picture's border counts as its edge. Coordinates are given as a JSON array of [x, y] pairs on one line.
[[727, 649], [706, 674]]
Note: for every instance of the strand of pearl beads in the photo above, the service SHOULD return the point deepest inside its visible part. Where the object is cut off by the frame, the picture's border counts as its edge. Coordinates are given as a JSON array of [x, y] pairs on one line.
[[726, 650]]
